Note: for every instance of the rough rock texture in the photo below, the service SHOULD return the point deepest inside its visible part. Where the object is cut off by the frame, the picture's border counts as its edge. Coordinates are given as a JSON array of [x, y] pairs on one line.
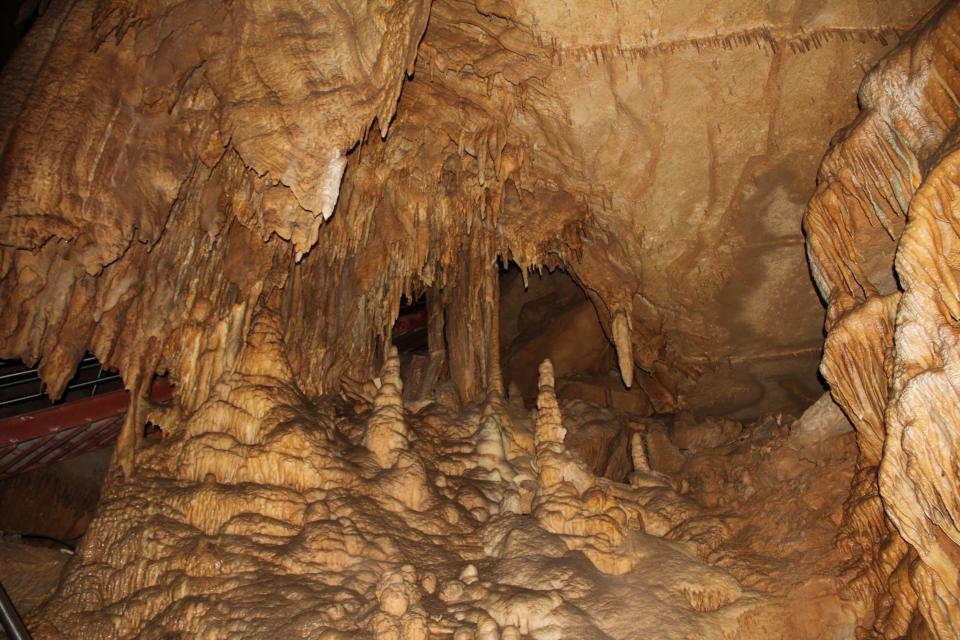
[[238, 194], [548, 316], [263, 514], [888, 189], [165, 167], [666, 159], [213, 139], [781, 487], [30, 573]]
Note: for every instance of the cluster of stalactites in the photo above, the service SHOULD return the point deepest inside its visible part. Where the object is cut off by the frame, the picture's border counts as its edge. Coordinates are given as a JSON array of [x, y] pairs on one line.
[[218, 173]]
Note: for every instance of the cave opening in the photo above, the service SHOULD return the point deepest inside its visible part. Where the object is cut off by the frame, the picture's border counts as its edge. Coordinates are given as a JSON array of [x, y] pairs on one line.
[[548, 315], [409, 332]]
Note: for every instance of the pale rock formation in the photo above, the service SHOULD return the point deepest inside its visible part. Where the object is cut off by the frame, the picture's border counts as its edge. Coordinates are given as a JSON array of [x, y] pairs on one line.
[[239, 194], [879, 230], [386, 433], [292, 516], [638, 453], [621, 330], [570, 502], [821, 422]]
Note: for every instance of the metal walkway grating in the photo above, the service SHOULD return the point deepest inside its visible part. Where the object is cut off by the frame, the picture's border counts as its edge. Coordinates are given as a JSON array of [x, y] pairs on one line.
[[46, 436]]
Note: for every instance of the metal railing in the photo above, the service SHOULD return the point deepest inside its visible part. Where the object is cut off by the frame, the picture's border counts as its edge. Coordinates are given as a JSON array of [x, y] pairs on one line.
[[25, 386], [35, 432], [10, 620]]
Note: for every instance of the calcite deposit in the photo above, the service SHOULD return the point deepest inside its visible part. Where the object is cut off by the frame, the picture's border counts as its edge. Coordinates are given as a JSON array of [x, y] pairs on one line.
[[599, 206], [323, 522], [880, 230]]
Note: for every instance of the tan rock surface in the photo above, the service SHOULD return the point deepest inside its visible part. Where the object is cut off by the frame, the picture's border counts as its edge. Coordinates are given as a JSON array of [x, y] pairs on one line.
[[238, 195], [200, 140], [296, 529], [887, 188], [30, 573]]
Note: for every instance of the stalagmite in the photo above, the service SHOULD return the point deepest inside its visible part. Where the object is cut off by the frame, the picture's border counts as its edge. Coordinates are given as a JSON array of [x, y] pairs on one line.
[[386, 433], [638, 452], [491, 445], [569, 500], [550, 431]]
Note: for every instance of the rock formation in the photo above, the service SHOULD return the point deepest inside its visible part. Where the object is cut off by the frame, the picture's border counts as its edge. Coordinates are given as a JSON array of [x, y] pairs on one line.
[[880, 229], [239, 195]]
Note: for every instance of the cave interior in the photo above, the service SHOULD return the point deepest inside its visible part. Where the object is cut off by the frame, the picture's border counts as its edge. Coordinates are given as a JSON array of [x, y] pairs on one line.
[[480, 319]]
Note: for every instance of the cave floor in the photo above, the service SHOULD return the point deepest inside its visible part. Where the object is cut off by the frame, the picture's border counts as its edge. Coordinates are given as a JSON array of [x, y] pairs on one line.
[[334, 519]]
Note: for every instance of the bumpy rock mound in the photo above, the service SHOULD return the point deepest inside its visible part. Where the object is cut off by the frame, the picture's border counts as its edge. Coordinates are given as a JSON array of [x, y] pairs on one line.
[[265, 514], [198, 188]]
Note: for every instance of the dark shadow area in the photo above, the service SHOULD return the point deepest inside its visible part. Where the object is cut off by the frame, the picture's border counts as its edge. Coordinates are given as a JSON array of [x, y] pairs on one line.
[[409, 332], [552, 317], [16, 18], [22, 390]]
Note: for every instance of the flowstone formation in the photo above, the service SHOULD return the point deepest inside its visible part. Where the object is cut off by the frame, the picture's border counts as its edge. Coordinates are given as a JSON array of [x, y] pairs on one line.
[[881, 230], [239, 195], [265, 514], [165, 164]]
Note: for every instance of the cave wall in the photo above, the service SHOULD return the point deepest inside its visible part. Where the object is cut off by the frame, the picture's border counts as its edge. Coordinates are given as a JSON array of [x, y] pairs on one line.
[[667, 171], [880, 231], [167, 164], [546, 315], [145, 145]]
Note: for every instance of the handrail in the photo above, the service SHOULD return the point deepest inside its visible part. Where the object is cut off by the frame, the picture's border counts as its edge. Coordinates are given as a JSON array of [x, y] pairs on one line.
[[46, 436], [10, 620]]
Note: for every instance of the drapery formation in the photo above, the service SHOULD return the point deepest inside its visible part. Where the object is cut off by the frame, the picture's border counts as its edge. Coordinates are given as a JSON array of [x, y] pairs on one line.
[[165, 164], [880, 232]]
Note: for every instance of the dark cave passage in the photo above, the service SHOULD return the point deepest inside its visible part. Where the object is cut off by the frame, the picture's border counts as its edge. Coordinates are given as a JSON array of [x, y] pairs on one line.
[[550, 316]]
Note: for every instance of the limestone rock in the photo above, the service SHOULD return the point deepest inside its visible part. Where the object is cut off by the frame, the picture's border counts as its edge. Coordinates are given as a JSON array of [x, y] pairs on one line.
[[241, 195], [386, 433], [880, 230]]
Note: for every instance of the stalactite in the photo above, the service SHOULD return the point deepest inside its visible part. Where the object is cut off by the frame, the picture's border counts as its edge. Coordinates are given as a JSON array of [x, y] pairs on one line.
[[620, 327], [193, 188], [763, 38]]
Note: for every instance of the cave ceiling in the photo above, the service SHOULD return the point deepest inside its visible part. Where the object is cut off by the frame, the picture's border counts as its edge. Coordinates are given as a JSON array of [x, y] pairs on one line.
[[661, 153]]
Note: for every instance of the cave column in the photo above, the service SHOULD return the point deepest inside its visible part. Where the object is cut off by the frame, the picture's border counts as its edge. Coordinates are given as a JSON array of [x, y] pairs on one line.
[[436, 343], [471, 312]]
